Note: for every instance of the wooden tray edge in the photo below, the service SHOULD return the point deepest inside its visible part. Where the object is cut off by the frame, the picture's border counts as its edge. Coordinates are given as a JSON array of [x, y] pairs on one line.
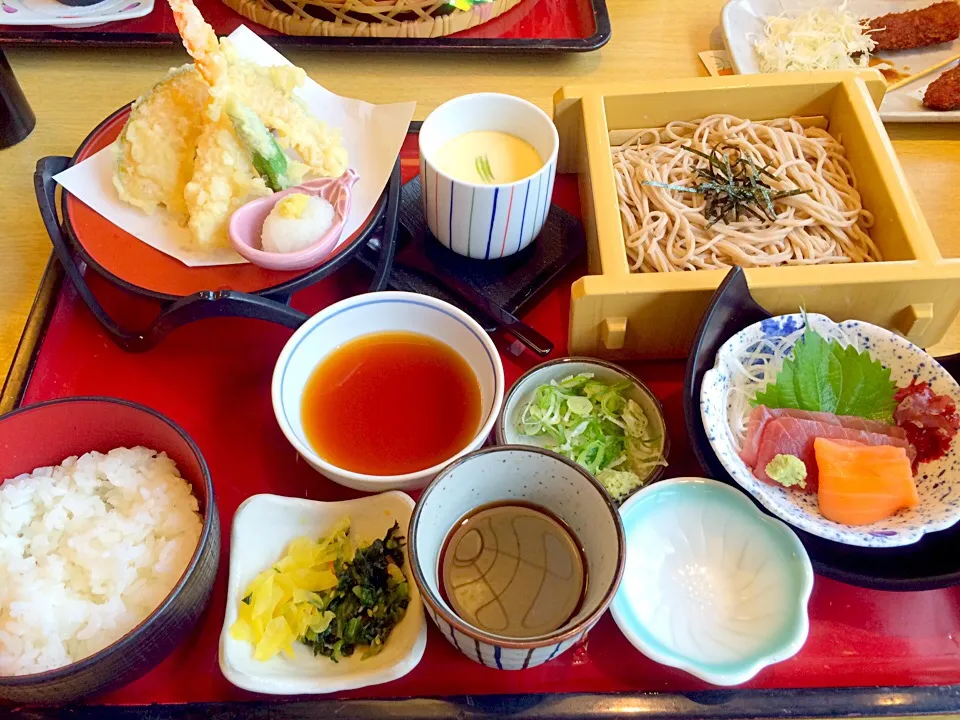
[[21, 367]]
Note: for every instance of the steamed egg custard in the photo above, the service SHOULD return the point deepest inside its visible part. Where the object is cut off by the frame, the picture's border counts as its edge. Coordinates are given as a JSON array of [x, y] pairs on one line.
[[488, 157], [217, 133]]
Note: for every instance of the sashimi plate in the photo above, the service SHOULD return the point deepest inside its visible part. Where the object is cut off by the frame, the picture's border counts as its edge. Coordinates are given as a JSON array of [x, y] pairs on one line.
[[937, 482]]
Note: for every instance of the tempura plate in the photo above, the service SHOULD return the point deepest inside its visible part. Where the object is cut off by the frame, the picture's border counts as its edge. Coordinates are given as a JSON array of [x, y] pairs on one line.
[[743, 23]]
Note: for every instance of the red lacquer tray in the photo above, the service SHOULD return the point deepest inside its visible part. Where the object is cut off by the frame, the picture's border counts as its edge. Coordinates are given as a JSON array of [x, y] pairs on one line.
[[532, 26], [869, 652]]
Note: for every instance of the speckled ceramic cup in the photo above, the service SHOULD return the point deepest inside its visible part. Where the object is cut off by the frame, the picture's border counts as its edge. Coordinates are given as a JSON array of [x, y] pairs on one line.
[[519, 474]]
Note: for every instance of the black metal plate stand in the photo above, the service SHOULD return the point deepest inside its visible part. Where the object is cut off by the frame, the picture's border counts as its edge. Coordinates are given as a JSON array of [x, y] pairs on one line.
[[271, 305]]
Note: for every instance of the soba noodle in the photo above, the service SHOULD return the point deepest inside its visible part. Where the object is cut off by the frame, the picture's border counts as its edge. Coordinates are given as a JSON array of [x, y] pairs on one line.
[[666, 230]]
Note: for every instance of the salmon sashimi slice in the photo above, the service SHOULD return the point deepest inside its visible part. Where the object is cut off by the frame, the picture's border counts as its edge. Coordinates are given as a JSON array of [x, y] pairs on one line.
[[795, 436], [761, 415], [861, 484]]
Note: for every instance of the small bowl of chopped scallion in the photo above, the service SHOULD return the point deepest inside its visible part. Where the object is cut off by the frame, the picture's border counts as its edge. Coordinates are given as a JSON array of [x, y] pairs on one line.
[[593, 412]]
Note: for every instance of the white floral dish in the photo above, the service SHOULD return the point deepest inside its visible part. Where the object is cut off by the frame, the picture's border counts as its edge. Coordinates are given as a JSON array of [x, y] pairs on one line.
[[263, 527], [743, 22], [937, 482], [56, 14], [712, 586]]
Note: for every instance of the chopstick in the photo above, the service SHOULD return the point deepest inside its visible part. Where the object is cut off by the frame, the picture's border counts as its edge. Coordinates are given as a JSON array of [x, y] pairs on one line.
[[916, 76]]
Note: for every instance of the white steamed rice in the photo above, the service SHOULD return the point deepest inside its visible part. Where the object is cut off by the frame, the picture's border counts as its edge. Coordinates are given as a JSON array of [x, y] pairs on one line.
[[88, 549]]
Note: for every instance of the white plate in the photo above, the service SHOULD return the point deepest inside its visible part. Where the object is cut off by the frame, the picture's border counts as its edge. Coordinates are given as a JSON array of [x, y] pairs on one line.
[[263, 527], [743, 22], [53, 13]]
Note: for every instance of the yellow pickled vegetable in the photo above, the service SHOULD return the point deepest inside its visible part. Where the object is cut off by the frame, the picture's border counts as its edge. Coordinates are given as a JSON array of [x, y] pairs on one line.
[[283, 601]]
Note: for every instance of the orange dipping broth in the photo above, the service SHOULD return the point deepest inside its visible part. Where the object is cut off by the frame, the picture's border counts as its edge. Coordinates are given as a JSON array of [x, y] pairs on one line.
[[391, 403]]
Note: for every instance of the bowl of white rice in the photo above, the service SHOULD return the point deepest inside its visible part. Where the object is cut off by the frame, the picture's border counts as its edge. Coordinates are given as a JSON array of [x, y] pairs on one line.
[[109, 545]]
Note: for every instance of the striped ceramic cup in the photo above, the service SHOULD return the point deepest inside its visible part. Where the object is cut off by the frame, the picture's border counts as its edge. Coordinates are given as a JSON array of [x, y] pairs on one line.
[[479, 220]]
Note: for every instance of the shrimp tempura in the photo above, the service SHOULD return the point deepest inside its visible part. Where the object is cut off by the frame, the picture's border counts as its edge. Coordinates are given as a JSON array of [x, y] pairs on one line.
[[200, 41]]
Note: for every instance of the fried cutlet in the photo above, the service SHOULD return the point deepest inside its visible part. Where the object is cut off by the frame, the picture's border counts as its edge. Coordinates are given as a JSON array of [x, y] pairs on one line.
[[931, 25], [944, 92]]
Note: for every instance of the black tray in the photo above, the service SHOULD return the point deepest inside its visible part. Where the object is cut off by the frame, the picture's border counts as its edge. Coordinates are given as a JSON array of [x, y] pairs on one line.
[[155, 31], [933, 562]]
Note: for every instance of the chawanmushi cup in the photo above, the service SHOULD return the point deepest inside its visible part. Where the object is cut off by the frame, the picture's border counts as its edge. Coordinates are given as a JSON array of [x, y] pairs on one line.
[[487, 221]]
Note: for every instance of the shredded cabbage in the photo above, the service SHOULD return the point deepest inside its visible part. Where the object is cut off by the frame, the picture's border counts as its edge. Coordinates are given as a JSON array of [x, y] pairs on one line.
[[820, 39], [596, 425]]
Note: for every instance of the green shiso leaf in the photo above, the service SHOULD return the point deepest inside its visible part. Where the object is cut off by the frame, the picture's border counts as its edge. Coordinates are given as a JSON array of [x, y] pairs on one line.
[[824, 376]]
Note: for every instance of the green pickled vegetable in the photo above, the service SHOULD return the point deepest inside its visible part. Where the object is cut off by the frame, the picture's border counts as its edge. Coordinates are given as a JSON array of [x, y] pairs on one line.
[[596, 425], [370, 598]]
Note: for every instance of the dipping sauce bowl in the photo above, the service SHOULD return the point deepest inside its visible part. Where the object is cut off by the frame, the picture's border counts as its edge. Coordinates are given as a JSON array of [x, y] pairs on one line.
[[369, 314]]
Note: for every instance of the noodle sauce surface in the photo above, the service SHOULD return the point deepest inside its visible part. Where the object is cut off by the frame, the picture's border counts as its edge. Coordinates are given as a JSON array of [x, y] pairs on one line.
[[391, 403], [513, 569]]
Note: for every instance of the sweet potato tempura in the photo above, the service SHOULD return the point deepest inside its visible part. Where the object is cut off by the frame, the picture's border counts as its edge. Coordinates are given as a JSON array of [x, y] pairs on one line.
[[944, 92], [931, 25]]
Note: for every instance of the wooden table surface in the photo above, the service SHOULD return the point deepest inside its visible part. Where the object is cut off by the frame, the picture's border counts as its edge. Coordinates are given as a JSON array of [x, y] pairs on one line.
[[72, 90]]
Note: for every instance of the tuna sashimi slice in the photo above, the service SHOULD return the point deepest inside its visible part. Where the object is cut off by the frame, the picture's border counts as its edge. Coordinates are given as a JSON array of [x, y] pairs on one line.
[[761, 415], [795, 436]]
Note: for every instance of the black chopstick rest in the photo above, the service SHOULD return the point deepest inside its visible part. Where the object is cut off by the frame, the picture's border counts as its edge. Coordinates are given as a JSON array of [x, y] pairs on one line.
[[16, 118]]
